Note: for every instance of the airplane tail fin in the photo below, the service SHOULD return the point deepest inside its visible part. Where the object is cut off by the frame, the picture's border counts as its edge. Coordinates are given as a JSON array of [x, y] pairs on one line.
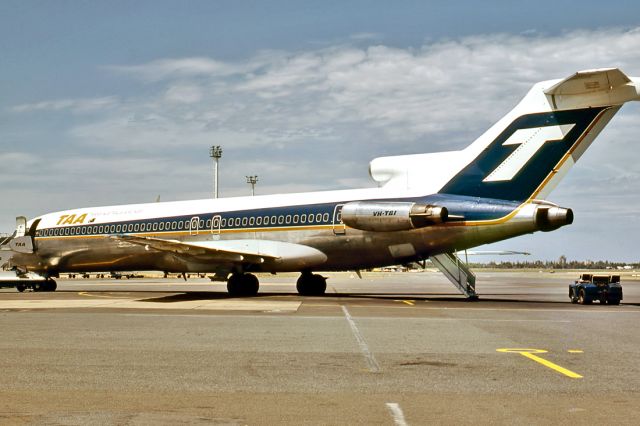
[[527, 152]]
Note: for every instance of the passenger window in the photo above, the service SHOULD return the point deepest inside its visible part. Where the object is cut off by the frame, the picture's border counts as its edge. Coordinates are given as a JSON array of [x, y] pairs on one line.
[[252, 221], [223, 222], [325, 217], [288, 219], [303, 218], [266, 220], [173, 225], [244, 221], [273, 220], [155, 226], [296, 218], [319, 217], [136, 227], [161, 226], [280, 220], [180, 224], [208, 223], [259, 220], [237, 222]]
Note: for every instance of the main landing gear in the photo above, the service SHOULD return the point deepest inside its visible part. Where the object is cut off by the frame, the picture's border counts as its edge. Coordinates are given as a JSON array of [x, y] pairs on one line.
[[311, 284], [242, 284], [46, 285]]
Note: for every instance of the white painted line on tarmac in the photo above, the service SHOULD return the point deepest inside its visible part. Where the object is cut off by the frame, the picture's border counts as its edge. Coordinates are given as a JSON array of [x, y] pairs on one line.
[[397, 414], [372, 364]]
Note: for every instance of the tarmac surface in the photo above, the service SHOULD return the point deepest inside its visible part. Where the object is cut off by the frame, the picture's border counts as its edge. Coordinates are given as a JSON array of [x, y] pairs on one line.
[[395, 348]]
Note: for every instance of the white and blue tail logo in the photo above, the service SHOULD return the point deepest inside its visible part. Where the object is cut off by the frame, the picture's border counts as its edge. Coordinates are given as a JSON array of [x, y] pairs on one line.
[[524, 155]]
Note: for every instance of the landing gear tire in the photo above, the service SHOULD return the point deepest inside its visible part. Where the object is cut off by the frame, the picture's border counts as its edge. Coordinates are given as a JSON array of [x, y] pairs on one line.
[[38, 287], [21, 287], [242, 285], [311, 284]]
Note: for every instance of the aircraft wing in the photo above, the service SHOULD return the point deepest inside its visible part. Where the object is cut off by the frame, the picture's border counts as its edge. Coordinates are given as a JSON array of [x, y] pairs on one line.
[[199, 249], [234, 251], [492, 253]]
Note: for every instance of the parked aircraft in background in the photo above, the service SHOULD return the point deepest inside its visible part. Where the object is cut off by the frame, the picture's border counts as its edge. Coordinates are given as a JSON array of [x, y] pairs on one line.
[[427, 206]]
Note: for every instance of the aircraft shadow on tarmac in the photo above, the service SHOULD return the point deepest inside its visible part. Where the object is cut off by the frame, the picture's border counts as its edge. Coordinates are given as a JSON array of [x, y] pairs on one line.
[[426, 297]]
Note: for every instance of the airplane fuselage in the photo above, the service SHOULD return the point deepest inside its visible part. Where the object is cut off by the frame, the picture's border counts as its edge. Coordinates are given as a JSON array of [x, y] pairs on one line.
[[81, 240]]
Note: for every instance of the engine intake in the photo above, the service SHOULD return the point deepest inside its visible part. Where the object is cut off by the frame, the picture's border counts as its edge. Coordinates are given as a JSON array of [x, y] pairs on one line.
[[391, 216]]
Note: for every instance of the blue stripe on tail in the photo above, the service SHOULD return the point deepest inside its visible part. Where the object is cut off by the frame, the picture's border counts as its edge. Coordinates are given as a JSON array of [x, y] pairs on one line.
[[469, 181]]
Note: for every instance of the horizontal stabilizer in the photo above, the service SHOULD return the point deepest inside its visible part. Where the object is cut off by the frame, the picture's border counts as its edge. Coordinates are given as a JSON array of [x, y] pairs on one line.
[[593, 88], [589, 81]]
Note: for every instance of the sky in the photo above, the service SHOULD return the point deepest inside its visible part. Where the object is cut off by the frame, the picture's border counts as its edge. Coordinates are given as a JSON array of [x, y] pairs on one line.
[[118, 102]]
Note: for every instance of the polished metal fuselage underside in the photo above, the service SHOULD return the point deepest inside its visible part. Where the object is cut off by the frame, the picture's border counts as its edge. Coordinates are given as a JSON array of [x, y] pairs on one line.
[[347, 249]]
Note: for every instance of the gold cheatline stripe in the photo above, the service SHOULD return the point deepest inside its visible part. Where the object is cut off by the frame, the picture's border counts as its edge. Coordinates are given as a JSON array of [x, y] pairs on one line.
[[201, 232]]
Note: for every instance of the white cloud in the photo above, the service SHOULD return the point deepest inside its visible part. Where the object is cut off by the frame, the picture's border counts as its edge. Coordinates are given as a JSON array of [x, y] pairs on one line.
[[75, 105], [175, 68], [184, 93]]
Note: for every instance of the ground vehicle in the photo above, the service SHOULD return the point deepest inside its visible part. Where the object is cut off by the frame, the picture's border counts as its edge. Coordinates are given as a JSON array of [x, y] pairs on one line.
[[26, 280], [589, 287]]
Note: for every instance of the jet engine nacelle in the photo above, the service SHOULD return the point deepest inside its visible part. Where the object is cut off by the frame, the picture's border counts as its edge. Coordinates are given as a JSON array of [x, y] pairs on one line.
[[550, 218], [391, 216]]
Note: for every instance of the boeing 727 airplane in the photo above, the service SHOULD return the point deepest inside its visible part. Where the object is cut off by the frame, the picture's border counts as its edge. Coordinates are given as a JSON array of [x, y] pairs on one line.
[[426, 206]]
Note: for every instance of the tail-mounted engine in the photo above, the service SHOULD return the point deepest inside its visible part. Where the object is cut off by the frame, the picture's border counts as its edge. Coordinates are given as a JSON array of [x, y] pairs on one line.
[[548, 218], [391, 216]]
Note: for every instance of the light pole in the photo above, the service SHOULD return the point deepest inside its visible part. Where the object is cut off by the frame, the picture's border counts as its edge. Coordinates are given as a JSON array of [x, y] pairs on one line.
[[215, 152], [252, 180]]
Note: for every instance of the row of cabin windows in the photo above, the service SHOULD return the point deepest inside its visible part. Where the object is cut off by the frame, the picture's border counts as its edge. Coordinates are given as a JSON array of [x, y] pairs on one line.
[[270, 220], [193, 224]]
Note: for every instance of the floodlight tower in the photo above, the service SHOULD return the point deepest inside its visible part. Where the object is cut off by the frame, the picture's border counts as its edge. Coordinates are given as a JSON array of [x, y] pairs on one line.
[[252, 180], [215, 152]]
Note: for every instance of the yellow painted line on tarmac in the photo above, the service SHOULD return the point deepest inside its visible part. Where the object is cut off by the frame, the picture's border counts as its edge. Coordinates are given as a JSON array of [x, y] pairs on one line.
[[575, 351], [84, 293], [530, 353], [406, 302]]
